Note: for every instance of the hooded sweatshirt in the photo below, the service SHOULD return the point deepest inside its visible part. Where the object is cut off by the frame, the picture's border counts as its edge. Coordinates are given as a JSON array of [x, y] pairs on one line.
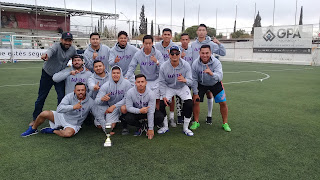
[[71, 80], [57, 58], [147, 67], [93, 80], [188, 57], [135, 101], [125, 56], [103, 56], [168, 76], [117, 91], [164, 50], [75, 116], [203, 78], [215, 48]]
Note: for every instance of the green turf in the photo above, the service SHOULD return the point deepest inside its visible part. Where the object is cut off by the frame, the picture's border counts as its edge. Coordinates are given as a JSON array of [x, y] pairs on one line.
[[275, 133]]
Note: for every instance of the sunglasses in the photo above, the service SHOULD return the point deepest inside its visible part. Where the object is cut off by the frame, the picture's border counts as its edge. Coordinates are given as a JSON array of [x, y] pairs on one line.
[[172, 53]]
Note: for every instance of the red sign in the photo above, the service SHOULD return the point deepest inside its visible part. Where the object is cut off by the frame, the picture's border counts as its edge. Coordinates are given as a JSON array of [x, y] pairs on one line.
[[28, 21]]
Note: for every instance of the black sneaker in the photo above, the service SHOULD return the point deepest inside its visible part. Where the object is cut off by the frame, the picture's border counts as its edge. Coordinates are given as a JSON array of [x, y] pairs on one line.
[[180, 120], [138, 132], [209, 120], [125, 131]]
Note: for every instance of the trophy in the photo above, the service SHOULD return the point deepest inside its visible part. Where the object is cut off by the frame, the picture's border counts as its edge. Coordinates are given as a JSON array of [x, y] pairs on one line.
[[108, 129]]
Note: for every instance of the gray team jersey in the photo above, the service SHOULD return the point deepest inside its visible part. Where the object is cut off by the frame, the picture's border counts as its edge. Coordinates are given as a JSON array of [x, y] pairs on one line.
[[147, 67], [125, 56], [164, 50], [103, 56], [188, 57], [168, 76], [71, 80], [93, 80], [215, 48], [135, 101], [75, 116], [203, 78], [117, 91]]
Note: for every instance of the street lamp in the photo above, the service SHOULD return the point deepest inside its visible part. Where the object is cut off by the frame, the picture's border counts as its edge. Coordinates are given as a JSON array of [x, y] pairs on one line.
[[128, 21]]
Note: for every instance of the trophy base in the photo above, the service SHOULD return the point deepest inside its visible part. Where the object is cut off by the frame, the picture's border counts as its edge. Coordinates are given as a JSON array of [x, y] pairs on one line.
[[107, 144]]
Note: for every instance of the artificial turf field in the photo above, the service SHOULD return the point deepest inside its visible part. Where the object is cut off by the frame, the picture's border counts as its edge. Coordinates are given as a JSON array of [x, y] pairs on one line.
[[275, 133]]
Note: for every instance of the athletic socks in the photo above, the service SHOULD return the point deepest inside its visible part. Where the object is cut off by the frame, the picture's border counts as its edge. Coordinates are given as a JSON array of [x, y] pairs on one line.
[[210, 107], [186, 123], [165, 122], [171, 115]]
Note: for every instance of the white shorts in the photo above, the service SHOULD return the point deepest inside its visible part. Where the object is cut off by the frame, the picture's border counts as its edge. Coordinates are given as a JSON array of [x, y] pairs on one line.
[[59, 121], [184, 93], [154, 86]]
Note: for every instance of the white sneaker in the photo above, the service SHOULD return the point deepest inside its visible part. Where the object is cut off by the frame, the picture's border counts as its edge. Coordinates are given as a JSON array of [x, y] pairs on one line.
[[172, 123], [163, 130], [188, 132]]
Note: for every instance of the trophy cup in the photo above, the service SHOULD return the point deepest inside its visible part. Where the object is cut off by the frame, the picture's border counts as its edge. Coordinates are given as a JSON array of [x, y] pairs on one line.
[[108, 129]]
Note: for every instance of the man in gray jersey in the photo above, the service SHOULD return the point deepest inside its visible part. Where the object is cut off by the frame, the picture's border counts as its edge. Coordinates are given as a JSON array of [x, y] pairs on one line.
[[150, 60], [70, 114], [122, 53], [71, 76], [141, 105], [56, 59], [95, 81], [174, 78], [164, 46], [216, 49], [96, 51], [207, 76]]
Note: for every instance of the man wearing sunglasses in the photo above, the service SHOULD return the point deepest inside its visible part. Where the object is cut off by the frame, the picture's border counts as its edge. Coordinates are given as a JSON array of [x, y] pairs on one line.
[[174, 78]]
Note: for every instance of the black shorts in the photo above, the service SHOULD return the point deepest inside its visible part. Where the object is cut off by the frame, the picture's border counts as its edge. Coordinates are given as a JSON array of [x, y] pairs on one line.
[[215, 89]]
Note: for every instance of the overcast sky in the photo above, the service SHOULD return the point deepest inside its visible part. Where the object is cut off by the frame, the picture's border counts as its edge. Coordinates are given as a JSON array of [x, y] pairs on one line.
[[284, 11]]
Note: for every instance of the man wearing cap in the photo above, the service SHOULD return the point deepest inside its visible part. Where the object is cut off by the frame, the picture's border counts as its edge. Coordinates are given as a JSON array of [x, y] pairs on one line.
[[56, 59], [174, 78]]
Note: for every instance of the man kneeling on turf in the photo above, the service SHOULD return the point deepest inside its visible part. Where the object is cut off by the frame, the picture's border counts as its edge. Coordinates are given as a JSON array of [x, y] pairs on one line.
[[70, 114], [141, 105], [207, 76]]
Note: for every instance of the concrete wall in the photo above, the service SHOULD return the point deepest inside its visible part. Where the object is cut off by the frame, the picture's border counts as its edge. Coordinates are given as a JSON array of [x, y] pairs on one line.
[[243, 52]]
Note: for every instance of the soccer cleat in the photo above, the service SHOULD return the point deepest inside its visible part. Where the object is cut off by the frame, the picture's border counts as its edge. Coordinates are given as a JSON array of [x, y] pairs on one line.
[[188, 132], [125, 131], [29, 132], [163, 130], [180, 120], [209, 120], [47, 130], [172, 123], [138, 132], [195, 125], [226, 127]]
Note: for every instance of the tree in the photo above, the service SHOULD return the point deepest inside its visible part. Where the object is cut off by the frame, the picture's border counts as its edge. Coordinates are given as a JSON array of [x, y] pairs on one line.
[[219, 36], [241, 33], [182, 30], [132, 29], [257, 23], [142, 26], [301, 16], [146, 26], [192, 31], [158, 30], [151, 28]]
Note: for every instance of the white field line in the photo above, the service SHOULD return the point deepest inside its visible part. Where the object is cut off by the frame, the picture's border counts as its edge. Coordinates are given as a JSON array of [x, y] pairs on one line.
[[267, 76], [22, 68]]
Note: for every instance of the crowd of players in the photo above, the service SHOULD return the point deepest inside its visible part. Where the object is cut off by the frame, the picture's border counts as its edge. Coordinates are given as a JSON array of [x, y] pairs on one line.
[[103, 83]]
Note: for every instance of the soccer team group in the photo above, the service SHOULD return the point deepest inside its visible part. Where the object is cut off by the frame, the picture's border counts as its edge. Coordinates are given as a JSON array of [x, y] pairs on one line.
[[102, 83]]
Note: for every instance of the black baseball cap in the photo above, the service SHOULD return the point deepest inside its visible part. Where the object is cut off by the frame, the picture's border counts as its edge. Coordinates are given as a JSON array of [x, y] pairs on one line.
[[67, 35]]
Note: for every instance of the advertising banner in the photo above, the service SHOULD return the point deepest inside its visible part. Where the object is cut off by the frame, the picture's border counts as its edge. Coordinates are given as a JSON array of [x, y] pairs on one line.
[[283, 39], [18, 54], [21, 20]]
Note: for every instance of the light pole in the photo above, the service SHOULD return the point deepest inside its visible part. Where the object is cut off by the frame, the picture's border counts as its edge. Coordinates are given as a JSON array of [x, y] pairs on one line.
[[128, 21]]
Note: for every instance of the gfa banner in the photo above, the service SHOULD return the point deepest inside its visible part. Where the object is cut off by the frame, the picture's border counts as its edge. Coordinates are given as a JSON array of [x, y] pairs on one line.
[[283, 39]]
